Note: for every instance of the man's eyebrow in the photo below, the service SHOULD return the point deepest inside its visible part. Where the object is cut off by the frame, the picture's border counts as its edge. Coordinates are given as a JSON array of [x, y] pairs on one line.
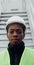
[[11, 29], [15, 29]]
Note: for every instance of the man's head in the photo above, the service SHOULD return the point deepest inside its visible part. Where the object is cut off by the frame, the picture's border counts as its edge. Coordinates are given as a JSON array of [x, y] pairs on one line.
[[15, 29]]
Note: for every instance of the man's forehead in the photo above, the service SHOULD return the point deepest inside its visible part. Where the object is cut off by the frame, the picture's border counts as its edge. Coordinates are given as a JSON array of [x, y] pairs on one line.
[[15, 26]]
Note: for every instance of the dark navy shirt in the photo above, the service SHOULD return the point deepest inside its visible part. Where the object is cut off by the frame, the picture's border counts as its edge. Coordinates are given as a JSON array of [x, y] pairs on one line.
[[15, 53]]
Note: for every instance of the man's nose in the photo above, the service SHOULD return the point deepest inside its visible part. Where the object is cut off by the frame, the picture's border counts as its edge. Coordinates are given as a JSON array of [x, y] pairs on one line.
[[15, 34]]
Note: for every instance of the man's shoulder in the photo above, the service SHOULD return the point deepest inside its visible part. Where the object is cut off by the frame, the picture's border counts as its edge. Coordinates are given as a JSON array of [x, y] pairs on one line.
[[27, 57], [4, 52], [4, 57], [28, 54], [29, 51]]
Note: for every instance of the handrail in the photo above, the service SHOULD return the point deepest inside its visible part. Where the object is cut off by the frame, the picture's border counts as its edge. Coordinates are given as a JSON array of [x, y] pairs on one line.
[[30, 13], [0, 7]]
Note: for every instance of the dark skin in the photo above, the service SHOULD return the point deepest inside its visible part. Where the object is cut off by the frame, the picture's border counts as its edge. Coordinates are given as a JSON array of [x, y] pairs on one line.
[[15, 34]]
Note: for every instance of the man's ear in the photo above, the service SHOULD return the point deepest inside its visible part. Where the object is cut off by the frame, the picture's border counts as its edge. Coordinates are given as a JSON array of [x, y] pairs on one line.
[[23, 35], [7, 35]]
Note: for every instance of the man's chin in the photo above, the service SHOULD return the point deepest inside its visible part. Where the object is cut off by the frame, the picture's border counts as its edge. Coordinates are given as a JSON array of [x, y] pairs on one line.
[[15, 42]]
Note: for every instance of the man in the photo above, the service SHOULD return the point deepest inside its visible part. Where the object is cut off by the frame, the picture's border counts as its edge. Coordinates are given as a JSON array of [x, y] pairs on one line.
[[16, 53]]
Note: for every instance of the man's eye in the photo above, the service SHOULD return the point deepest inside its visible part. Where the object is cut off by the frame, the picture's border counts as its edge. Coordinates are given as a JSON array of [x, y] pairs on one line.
[[11, 32], [19, 32]]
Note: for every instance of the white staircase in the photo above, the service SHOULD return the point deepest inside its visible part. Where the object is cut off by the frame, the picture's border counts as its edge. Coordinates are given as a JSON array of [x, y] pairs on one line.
[[3, 38]]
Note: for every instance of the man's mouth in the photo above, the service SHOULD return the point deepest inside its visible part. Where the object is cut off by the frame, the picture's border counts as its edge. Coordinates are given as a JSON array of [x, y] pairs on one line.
[[15, 39]]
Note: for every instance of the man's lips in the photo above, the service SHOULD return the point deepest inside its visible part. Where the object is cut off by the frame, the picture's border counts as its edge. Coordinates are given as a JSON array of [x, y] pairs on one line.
[[15, 39]]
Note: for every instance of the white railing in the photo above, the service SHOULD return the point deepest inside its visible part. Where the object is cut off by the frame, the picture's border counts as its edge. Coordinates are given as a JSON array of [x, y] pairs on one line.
[[30, 11], [0, 7]]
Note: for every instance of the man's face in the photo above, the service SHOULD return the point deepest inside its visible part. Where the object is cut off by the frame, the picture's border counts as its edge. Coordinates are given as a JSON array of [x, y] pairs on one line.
[[15, 34]]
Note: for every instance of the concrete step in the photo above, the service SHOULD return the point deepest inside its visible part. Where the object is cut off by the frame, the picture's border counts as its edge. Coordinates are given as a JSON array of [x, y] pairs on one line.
[[14, 12], [3, 22], [10, 16]]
